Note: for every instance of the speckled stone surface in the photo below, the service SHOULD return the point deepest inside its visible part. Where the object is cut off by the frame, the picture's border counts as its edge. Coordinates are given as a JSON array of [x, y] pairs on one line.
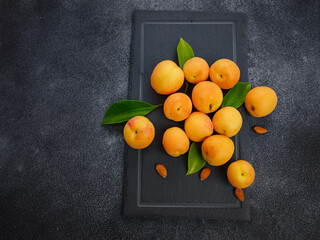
[[61, 175]]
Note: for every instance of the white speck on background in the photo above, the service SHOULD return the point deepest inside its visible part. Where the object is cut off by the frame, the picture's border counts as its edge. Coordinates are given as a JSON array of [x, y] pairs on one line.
[[304, 58]]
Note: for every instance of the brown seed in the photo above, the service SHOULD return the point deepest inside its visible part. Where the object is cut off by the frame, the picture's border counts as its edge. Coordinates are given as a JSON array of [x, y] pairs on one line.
[[205, 173], [260, 130], [239, 193], [162, 171]]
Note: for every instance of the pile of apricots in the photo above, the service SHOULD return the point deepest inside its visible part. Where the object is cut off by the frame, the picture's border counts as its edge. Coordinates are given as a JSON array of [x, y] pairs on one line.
[[167, 78]]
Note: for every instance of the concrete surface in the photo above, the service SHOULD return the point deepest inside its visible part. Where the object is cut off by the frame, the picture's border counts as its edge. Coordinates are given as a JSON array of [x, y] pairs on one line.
[[61, 174]]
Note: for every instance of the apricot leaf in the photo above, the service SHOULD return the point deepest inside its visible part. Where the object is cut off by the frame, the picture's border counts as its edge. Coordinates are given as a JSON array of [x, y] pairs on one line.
[[236, 95], [195, 159], [184, 51], [123, 111]]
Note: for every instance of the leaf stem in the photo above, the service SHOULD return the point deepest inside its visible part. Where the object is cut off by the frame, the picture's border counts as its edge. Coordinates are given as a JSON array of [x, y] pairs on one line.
[[187, 85]]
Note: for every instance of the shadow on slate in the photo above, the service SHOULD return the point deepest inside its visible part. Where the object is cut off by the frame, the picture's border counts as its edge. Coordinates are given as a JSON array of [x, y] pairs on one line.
[[155, 38]]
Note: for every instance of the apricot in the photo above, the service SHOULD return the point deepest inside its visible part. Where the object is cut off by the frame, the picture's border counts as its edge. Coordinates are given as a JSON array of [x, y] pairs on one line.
[[240, 174], [207, 97], [175, 141], [261, 101], [198, 126], [139, 132], [167, 77], [225, 73], [227, 121], [177, 107], [196, 70], [217, 150]]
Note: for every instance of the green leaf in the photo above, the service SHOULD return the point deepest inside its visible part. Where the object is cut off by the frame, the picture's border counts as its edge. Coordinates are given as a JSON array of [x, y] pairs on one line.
[[123, 111], [236, 95], [184, 51], [195, 159]]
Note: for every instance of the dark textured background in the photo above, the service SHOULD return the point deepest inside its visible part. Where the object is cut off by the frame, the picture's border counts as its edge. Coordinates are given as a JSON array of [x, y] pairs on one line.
[[62, 63]]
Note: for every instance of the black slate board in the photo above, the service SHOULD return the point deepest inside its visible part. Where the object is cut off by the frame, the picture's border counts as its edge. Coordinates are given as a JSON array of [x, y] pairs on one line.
[[155, 38]]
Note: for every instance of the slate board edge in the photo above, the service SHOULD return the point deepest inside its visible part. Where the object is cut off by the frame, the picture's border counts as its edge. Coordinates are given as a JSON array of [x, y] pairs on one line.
[[130, 207]]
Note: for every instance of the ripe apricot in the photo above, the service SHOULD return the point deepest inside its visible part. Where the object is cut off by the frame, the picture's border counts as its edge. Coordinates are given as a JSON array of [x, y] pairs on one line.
[[261, 101], [175, 141], [207, 97], [167, 77], [177, 107], [240, 174], [227, 121], [139, 132], [196, 70], [217, 150], [225, 73], [198, 126]]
